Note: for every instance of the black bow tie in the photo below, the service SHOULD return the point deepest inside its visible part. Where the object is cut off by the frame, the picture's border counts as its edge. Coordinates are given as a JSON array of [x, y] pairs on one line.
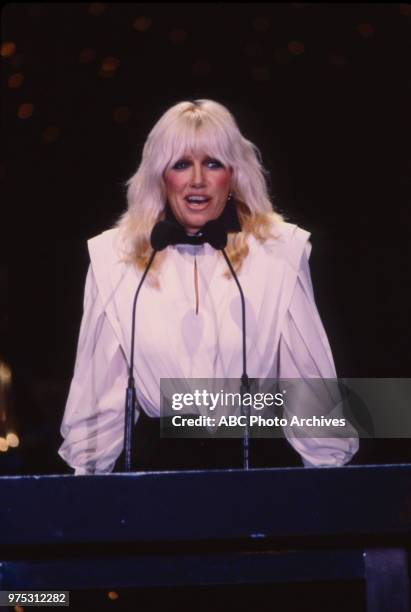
[[169, 231]]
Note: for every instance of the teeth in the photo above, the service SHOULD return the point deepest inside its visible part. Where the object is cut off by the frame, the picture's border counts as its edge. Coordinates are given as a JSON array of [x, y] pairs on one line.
[[197, 199]]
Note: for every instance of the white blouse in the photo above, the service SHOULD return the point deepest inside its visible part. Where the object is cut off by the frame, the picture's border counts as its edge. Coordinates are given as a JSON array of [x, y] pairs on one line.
[[285, 337]]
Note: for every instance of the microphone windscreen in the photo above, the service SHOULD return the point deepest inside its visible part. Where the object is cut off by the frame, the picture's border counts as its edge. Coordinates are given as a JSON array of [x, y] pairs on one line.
[[216, 235], [160, 236]]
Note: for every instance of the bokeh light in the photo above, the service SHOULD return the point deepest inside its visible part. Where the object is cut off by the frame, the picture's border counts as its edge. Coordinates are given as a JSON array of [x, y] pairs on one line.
[[178, 37], [405, 9], [12, 440], [3, 445], [25, 110], [51, 134], [365, 29], [87, 55], [7, 49], [142, 24], [121, 114], [109, 66], [296, 47], [113, 595], [15, 80], [97, 8], [5, 374]]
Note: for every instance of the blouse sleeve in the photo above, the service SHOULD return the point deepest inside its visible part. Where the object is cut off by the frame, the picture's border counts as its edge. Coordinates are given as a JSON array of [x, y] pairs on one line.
[[304, 353], [93, 422]]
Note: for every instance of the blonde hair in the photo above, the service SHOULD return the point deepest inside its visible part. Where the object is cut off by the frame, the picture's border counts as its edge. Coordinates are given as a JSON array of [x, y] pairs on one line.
[[204, 127]]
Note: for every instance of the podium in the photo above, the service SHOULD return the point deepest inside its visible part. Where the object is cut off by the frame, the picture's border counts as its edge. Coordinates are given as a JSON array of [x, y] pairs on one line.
[[210, 527]]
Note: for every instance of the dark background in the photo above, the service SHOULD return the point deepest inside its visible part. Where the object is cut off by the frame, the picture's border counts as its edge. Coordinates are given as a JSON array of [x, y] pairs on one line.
[[322, 89]]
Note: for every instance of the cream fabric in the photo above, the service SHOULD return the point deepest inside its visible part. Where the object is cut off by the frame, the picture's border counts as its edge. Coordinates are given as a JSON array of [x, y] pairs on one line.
[[285, 337]]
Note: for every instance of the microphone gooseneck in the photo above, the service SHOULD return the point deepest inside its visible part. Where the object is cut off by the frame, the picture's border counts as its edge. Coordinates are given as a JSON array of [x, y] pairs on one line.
[[131, 388], [244, 376], [245, 382]]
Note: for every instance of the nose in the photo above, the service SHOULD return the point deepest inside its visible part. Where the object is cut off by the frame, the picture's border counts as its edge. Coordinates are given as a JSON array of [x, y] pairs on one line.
[[197, 178]]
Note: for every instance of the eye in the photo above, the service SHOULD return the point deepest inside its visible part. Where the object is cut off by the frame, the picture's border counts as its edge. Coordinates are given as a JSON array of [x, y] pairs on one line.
[[214, 163], [181, 164]]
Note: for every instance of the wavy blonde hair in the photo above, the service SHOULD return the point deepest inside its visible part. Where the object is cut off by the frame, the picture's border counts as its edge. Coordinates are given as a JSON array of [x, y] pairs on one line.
[[199, 127]]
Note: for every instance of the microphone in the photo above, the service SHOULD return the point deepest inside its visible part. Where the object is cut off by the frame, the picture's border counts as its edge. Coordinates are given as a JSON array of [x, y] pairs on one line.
[[131, 389], [245, 382]]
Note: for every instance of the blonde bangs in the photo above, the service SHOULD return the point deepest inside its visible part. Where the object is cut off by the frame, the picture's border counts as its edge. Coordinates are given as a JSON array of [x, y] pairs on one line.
[[203, 127], [198, 136]]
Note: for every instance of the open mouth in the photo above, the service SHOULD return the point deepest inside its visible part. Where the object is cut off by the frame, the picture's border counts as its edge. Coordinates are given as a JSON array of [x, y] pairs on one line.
[[197, 202]]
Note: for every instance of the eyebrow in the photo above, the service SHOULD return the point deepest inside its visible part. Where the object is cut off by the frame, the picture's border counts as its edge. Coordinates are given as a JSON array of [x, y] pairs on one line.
[[205, 157]]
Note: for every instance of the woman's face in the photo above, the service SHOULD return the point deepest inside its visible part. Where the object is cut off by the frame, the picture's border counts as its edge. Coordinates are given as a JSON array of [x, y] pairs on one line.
[[197, 190]]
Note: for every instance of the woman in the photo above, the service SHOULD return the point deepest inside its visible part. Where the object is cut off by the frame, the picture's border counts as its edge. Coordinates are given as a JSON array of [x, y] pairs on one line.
[[196, 169]]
